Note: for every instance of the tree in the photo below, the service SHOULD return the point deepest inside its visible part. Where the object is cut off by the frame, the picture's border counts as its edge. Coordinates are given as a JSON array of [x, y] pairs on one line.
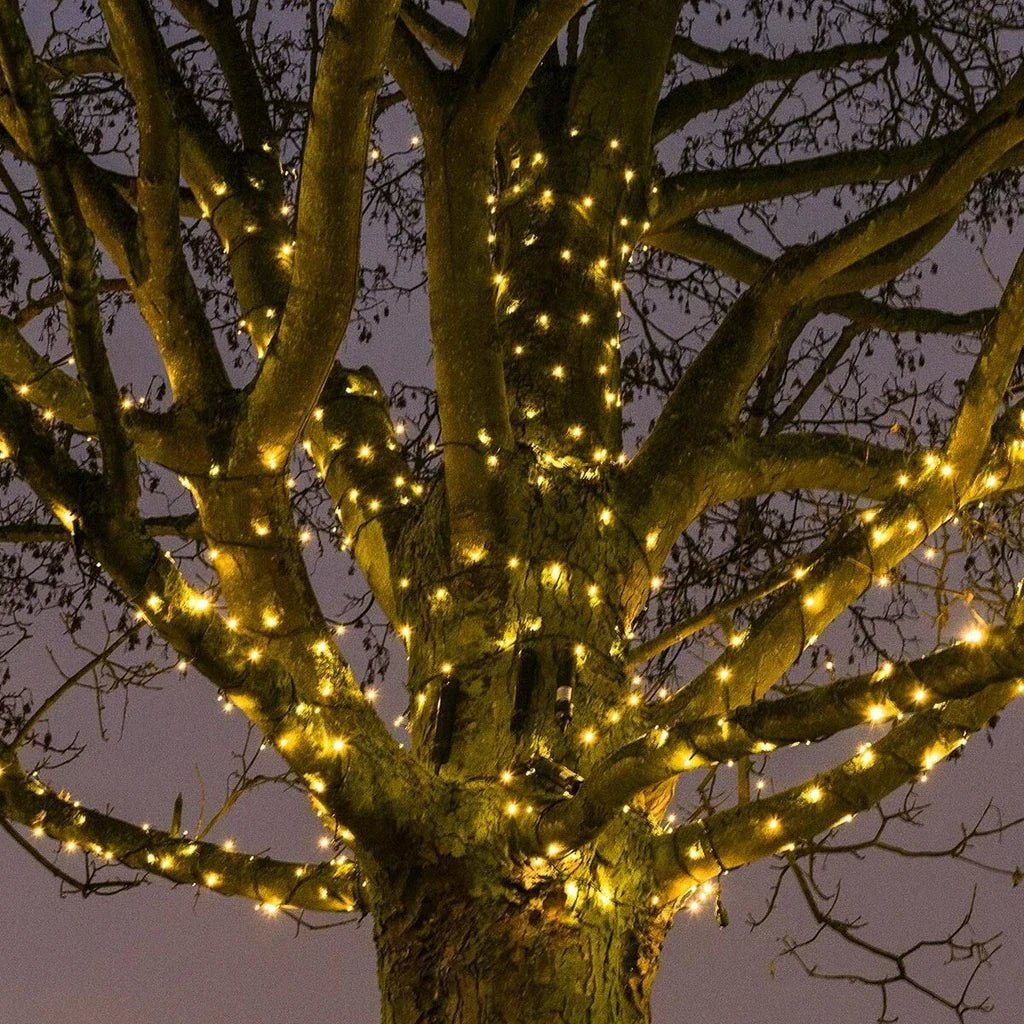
[[594, 614]]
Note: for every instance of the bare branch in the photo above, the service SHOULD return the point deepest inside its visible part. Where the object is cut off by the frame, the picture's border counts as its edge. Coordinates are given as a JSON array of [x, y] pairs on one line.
[[746, 70]]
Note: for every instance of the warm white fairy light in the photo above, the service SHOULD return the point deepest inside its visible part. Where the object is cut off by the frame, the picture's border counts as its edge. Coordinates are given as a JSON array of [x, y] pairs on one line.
[[553, 574], [974, 635]]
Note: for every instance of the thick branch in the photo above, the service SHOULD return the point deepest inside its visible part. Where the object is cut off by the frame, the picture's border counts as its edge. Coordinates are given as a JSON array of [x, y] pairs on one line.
[[733, 838], [870, 698], [373, 785], [35, 124], [711, 393], [326, 261], [445, 41], [271, 883], [352, 441], [167, 292], [750, 466], [185, 527], [618, 78], [509, 71]]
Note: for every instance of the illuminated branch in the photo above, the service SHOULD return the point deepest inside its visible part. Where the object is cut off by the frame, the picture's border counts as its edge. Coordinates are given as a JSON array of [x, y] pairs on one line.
[[326, 258], [271, 883], [58, 396], [758, 728], [997, 130], [883, 538], [222, 181], [713, 389], [36, 128], [168, 295], [471, 396], [42, 383], [99, 197], [368, 780], [163, 288], [733, 838], [136, 563], [242, 194], [352, 441]]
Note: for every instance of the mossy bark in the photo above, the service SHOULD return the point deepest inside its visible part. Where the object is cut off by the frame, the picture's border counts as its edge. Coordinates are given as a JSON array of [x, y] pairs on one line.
[[447, 956]]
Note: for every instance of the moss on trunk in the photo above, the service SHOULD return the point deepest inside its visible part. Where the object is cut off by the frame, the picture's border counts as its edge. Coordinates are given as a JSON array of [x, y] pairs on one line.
[[449, 956]]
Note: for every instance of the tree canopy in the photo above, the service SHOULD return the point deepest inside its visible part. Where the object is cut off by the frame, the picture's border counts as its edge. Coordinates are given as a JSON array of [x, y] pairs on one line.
[[688, 459]]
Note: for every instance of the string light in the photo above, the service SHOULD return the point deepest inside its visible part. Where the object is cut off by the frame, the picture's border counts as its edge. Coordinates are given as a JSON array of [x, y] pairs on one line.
[[877, 713], [974, 635]]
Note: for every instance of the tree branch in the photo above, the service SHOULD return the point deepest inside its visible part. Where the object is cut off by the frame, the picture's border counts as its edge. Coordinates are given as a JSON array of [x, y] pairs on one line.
[[429, 30], [758, 728], [326, 261], [271, 883], [216, 24], [185, 527], [751, 466], [508, 72], [705, 244], [746, 70], [35, 124], [732, 838], [352, 441], [168, 293], [714, 387]]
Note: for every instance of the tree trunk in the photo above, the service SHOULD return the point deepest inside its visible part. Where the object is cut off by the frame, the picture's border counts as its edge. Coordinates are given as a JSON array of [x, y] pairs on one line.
[[549, 958]]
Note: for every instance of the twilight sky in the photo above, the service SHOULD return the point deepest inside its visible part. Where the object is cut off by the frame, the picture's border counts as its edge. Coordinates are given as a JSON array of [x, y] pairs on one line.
[[162, 954]]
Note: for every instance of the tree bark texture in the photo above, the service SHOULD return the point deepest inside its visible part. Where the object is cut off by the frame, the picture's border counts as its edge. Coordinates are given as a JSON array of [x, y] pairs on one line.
[[449, 956]]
